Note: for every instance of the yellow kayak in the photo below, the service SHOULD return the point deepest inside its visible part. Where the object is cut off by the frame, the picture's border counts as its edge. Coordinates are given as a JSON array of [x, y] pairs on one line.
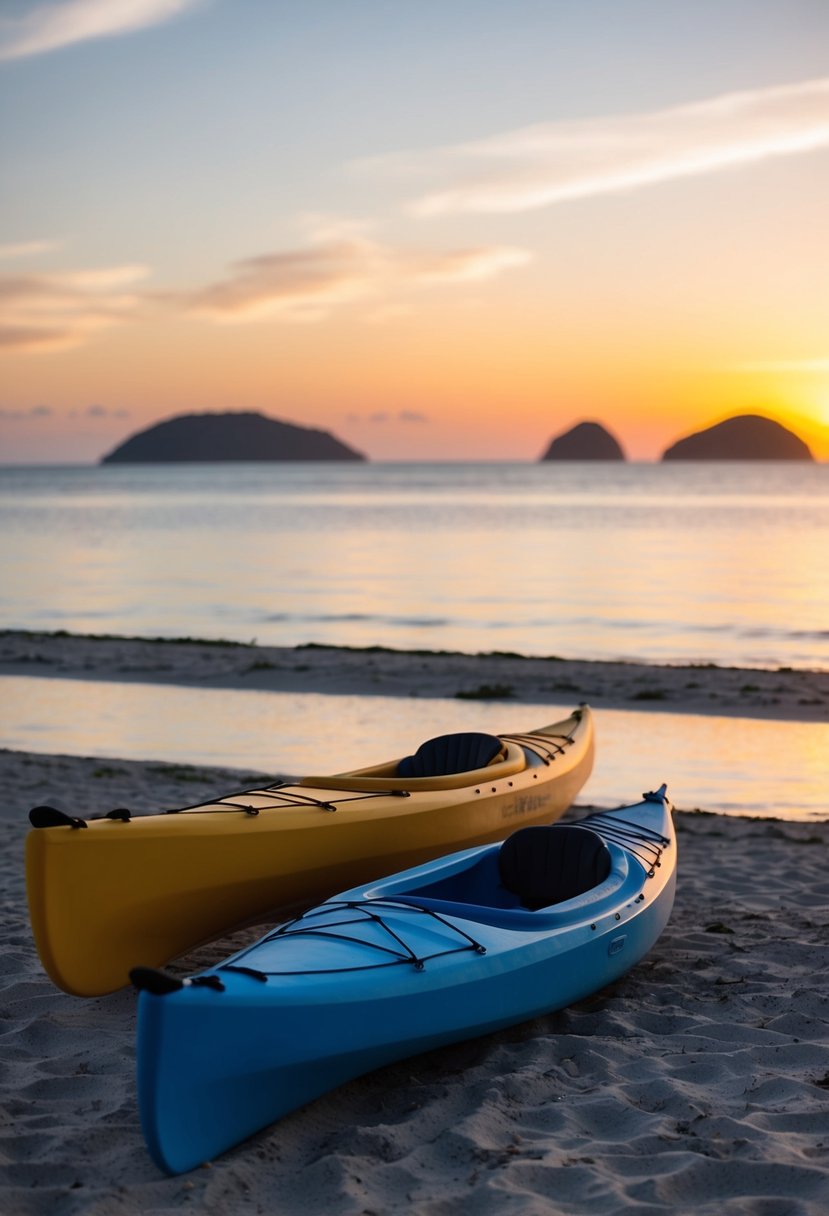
[[108, 894]]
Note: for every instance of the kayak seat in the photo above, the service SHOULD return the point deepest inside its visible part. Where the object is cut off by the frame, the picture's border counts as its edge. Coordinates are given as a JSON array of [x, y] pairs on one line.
[[447, 754], [546, 865]]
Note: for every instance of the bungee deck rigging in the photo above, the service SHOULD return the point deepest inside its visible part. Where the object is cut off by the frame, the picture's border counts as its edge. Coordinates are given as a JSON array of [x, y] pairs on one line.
[[50, 817], [644, 843], [289, 795], [536, 744], [365, 911], [288, 799]]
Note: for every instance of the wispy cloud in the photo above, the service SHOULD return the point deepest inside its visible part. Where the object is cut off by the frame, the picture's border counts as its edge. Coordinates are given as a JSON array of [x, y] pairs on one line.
[[548, 163], [103, 411], [381, 417], [42, 312], [36, 411], [49, 27], [306, 284], [26, 249], [57, 311], [46, 411]]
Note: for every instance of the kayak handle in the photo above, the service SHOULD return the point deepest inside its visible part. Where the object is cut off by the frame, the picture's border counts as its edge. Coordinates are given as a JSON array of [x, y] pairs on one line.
[[51, 817]]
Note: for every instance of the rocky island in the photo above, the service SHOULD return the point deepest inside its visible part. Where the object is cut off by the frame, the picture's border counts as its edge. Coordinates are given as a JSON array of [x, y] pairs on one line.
[[745, 437], [228, 437], [585, 441]]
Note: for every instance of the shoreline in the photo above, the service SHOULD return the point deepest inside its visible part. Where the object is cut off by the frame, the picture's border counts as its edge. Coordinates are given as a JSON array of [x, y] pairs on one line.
[[784, 694], [698, 1081]]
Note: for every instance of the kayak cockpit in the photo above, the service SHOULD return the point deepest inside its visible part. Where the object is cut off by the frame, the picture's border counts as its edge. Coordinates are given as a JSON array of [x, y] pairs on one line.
[[411, 773], [534, 868], [537, 876], [457, 761]]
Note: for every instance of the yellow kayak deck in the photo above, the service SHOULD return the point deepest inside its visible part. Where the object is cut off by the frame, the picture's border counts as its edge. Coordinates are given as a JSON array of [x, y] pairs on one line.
[[106, 895]]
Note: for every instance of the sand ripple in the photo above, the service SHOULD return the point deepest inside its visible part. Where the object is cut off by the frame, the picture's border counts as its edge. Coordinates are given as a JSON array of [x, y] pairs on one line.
[[699, 1082]]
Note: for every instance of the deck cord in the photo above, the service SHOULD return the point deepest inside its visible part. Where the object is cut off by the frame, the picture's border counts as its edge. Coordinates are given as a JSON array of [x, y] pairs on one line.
[[401, 952], [631, 836], [535, 744], [286, 797]]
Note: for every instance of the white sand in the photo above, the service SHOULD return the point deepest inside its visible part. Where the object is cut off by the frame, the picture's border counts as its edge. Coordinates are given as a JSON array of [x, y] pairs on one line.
[[698, 1083]]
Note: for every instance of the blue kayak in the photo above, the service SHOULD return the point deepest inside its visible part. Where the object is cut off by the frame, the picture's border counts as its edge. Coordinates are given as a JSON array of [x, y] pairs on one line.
[[458, 947]]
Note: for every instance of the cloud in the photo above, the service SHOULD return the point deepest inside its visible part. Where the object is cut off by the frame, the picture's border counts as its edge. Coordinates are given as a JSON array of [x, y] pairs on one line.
[[48, 312], [380, 417], [46, 411], [49, 27], [43, 312], [549, 163], [24, 249], [301, 284], [103, 411], [36, 411], [306, 284]]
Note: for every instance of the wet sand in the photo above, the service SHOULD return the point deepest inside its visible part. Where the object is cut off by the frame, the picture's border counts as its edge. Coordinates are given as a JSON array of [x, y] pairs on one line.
[[783, 694]]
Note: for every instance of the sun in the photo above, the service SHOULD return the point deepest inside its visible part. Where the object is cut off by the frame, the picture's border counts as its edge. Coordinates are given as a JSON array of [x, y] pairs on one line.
[[812, 405], [809, 417], [802, 403]]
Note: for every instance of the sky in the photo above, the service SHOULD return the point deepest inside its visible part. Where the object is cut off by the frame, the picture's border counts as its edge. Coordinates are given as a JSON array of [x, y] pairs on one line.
[[443, 230]]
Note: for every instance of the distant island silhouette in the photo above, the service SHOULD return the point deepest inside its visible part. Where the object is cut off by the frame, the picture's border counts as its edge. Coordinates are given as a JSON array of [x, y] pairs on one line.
[[228, 437], [745, 437], [585, 441]]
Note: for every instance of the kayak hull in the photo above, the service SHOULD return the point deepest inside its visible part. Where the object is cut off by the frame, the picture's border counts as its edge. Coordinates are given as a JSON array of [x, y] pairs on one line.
[[113, 894], [216, 1064]]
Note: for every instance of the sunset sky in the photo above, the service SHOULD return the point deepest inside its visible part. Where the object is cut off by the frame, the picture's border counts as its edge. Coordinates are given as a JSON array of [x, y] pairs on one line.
[[446, 229]]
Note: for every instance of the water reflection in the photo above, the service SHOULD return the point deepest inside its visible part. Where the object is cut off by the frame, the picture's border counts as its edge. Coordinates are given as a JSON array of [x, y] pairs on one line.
[[660, 563], [735, 766]]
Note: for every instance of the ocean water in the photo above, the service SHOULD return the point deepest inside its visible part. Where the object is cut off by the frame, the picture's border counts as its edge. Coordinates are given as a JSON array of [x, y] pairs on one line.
[[722, 563]]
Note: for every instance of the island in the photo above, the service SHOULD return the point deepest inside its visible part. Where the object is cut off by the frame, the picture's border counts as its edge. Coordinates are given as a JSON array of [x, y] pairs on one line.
[[744, 437], [585, 441], [228, 437]]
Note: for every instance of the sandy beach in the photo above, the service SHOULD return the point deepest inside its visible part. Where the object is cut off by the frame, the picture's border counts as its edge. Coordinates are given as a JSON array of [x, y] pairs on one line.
[[699, 1082], [782, 694]]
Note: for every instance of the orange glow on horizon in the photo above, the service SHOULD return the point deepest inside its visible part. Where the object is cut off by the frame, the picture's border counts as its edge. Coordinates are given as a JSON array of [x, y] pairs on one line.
[[475, 377]]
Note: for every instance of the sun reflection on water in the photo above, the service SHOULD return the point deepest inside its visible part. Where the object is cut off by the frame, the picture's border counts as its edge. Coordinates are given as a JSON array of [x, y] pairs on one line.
[[735, 766]]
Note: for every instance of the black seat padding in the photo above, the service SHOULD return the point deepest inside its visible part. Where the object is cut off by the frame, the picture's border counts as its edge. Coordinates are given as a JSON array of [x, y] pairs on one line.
[[449, 754], [546, 865]]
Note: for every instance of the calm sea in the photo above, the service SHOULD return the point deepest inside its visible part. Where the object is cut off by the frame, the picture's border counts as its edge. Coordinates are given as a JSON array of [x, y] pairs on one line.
[[702, 563]]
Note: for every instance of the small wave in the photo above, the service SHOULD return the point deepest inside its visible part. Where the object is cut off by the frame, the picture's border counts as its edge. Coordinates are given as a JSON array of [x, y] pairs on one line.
[[418, 622], [339, 618], [319, 618], [799, 635]]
